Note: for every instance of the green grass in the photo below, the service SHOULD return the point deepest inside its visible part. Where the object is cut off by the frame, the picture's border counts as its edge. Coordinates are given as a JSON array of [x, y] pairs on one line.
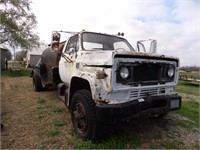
[[174, 144], [188, 88], [59, 122], [126, 140], [40, 115], [191, 126], [53, 132], [117, 142], [24, 72], [190, 100], [56, 109], [190, 104], [40, 100], [190, 110]]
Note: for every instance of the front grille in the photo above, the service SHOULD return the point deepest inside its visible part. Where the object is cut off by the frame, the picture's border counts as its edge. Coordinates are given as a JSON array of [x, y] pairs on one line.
[[148, 92], [144, 73], [143, 93]]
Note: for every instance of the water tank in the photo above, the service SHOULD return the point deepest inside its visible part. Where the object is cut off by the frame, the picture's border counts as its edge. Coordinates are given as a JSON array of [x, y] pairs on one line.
[[51, 59]]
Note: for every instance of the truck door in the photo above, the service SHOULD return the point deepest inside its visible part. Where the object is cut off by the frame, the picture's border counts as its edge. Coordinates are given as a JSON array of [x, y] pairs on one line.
[[67, 62]]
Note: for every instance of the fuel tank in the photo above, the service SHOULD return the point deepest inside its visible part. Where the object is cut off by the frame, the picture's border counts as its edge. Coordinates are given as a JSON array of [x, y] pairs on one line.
[[51, 59]]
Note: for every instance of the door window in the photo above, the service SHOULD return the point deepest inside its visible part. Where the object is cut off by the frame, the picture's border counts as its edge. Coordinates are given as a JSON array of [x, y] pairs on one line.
[[72, 43]]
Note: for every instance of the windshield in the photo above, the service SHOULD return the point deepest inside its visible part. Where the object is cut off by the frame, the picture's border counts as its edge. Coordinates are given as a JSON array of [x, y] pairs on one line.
[[96, 41]]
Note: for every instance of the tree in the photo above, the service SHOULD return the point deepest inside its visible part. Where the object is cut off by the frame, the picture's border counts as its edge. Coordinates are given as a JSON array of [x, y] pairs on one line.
[[17, 24], [20, 55]]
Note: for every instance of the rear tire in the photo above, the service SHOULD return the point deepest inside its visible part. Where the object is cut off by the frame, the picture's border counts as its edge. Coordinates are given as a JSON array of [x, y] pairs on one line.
[[37, 84], [83, 116]]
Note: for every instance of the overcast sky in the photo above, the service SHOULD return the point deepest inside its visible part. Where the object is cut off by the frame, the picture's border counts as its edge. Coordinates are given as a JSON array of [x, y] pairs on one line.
[[175, 24]]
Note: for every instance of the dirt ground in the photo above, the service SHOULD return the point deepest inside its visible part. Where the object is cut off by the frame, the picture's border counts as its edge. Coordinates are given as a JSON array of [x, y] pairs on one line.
[[24, 125], [29, 120]]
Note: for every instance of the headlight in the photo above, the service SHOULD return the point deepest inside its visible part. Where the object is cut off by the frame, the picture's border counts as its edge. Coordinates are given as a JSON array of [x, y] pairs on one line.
[[124, 72], [170, 71]]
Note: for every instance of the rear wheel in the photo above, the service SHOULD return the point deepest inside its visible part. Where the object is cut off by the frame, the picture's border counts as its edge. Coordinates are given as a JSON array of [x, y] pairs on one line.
[[83, 115], [37, 84]]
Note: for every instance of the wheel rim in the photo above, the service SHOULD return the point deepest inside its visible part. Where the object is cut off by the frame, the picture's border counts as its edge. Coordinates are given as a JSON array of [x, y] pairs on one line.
[[80, 119]]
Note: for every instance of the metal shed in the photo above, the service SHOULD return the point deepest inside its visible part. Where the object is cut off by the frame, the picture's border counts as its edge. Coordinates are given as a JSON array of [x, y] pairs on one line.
[[3, 57]]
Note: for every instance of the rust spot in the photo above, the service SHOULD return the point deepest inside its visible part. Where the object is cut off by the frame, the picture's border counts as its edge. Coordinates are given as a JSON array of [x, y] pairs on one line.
[[101, 74], [107, 85], [100, 96]]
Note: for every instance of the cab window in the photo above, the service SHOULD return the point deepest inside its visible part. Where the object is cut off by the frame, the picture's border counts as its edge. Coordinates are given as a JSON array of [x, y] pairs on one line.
[[72, 43]]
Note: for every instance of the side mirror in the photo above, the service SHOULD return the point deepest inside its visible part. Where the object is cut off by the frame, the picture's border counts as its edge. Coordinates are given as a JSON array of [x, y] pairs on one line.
[[55, 42], [140, 47], [153, 47]]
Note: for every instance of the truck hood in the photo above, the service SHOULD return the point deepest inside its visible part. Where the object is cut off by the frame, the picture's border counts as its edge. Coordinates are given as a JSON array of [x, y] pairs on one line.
[[133, 54], [105, 58]]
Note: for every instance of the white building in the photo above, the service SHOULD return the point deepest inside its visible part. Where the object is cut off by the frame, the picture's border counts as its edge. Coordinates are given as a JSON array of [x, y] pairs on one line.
[[33, 56]]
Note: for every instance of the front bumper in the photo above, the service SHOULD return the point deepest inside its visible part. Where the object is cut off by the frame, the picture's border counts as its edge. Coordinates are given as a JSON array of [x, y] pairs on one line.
[[147, 106]]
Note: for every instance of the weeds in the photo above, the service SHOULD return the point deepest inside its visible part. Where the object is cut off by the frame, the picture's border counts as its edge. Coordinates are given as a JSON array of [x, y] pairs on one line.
[[172, 144], [59, 122], [118, 142], [40, 115], [40, 100], [53, 132], [56, 109]]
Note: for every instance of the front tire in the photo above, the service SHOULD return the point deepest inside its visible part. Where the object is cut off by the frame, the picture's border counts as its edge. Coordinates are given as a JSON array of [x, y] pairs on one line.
[[83, 115]]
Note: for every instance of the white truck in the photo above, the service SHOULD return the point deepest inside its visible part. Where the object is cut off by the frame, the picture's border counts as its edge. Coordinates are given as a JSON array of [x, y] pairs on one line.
[[102, 80]]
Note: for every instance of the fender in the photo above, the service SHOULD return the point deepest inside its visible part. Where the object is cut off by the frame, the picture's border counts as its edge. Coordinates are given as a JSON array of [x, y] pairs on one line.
[[87, 78]]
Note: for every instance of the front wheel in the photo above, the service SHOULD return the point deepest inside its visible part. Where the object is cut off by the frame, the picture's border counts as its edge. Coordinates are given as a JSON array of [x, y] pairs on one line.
[[83, 115]]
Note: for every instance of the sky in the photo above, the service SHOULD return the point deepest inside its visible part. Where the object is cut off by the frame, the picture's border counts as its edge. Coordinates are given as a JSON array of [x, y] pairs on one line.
[[175, 24]]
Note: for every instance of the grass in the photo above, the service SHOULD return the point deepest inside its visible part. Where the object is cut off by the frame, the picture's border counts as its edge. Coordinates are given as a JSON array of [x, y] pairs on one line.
[[56, 109], [190, 100], [188, 88], [192, 74], [40, 115], [174, 144], [53, 132], [59, 122], [190, 110], [40, 100], [16, 64], [24, 72], [116, 142], [112, 143]]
